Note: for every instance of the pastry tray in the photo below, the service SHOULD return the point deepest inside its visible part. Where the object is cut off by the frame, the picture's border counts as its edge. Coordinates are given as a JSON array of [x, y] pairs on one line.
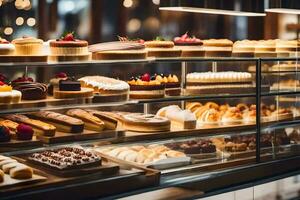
[[24, 58], [14, 144], [9, 182]]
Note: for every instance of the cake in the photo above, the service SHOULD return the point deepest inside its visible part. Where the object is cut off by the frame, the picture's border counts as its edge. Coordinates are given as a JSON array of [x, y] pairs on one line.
[[5, 135], [244, 48], [217, 47], [219, 83], [28, 46], [71, 88], [105, 86], [184, 119], [190, 46], [54, 82], [6, 48], [161, 48], [146, 87], [30, 90], [8, 95], [24, 132]]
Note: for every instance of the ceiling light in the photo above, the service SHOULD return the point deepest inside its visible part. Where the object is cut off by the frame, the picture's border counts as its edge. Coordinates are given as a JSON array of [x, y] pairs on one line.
[[8, 31], [20, 21], [283, 11]]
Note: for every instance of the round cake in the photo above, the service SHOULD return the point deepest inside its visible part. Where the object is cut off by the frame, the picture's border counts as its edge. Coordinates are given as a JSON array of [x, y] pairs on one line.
[[162, 48], [217, 47], [6, 48], [190, 46], [28, 46]]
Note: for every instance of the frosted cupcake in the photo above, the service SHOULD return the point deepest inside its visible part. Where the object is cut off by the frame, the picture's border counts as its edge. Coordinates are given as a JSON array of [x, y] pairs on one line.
[[28, 46], [6, 48]]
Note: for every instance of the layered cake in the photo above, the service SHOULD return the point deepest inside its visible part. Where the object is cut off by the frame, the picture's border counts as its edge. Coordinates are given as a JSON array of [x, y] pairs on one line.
[[161, 48], [30, 90], [146, 87], [8, 95], [244, 48], [196, 146], [66, 158], [68, 48], [28, 46], [217, 47], [54, 82], [119, 50], [184, 119], [190, 46], [6, 48], [218, 82], [105, 86], [140, 154], [71, 88]]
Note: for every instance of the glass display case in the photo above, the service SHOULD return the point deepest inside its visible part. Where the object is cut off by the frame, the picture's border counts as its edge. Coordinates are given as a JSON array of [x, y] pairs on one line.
[[195, 125]]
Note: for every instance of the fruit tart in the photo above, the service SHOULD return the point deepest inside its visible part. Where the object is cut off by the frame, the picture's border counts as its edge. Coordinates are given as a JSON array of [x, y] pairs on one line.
[[171, 82], [190, 46]]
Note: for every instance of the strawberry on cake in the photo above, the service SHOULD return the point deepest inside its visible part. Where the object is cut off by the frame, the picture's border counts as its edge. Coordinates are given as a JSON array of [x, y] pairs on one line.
[[190, 46]]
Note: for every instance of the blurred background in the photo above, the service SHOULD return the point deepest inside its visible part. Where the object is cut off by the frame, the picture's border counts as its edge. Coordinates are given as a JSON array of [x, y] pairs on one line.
[[103, 20]]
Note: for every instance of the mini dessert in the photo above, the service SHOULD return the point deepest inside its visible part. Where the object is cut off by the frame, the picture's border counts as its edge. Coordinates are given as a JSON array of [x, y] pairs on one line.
[[217, 47], [30, 90], [198, 146], [6, 48], [146, 87], [28, 46], [8, 95], [161, 48], [67, 48], [182, 118], [171, 82], [110, 122], [39, 127], [144, 122], [219, 83], [66, 158], [5, 135], [54, 82], [244, 48], [91, 122], [105, 86], [24, 132], [190, 46], [70, 88], [62, 122]]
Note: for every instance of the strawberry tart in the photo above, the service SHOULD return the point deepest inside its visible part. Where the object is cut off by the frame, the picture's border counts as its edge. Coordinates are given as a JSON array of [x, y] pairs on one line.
[[190, 46]]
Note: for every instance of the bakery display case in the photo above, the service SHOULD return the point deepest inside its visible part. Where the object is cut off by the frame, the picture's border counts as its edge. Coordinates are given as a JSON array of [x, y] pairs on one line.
[[131, 126]]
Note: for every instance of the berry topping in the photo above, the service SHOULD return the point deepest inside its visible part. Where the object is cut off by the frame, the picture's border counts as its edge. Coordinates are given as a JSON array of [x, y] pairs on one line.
[[146, 77], [61, 75], [1, 83], [3, 41], [185, 39], [68, 37], [24, 132], [23, 79], [5, 135]]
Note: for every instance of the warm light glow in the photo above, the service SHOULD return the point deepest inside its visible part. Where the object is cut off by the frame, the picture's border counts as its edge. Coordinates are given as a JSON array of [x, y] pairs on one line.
[[8, 31], [283, 11], [156, 2], [212, 11], [134, 25], [31, 21], [20, 21], [0, 2], [127, 3]]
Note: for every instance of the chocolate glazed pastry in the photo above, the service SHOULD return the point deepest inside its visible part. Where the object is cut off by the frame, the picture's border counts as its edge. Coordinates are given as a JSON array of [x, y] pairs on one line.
[[31, 90]]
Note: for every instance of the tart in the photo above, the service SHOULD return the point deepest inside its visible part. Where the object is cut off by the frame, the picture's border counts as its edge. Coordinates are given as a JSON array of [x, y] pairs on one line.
[[6, 48], [171, 82], [8, 95], [54, 82], [143, 87], [30, 90], [162, 48], [190, 46], [28, 46], [217, 47]]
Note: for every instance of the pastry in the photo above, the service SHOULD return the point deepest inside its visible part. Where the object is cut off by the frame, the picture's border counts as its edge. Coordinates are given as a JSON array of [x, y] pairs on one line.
[[143, 87], [1, 176], [12, 126], [189, 46], [15, 169], [5, 135], [105, 86], [217, 47], [192, 106], [161, 48], [30, 90], [54, 82], [70, 88], [197, 146], [24, 132], [66, 158], [181, 118], [110, 122], [208, 116], [285, 67], [8, 95], [6, 48], [265, 48], [91, 122], [287, 46], [232, 116], [219, 83], [7, 161], [28, 46], [62, 122], [171, 82], [68, 45], [144, 122], [39, 127], [287, 85], [244, 48]]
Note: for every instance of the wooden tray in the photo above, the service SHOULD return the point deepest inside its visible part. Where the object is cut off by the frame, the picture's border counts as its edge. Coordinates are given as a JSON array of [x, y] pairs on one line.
[[25, 58], [63, 58], [17, 144], [10, 182], [110, 98], [85, 135]]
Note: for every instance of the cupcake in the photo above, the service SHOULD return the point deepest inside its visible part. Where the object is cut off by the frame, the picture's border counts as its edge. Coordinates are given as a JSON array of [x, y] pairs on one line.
[[5, 135], [28, 46], [54, 82], [24, 132], [6, 48]]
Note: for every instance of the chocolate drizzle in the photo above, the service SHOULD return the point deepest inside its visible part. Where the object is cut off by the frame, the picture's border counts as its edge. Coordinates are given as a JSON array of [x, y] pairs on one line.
[[31, 90]]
